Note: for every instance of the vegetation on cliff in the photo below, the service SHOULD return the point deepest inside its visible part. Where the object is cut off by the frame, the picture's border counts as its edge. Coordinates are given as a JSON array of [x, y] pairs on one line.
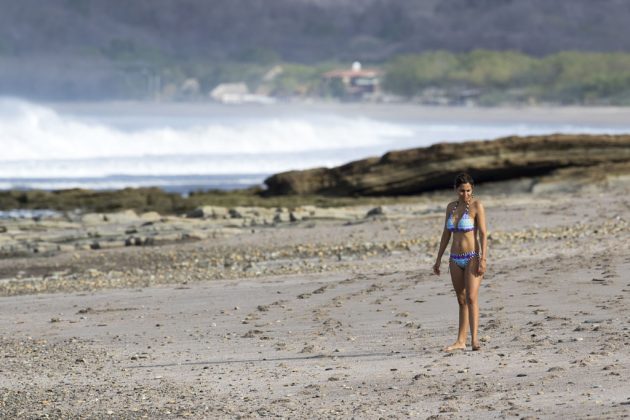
[[512, 77], [480, 77], [116, 49]]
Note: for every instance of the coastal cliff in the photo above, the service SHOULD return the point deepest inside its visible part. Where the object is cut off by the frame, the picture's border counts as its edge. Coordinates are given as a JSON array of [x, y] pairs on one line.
[[418, 170]]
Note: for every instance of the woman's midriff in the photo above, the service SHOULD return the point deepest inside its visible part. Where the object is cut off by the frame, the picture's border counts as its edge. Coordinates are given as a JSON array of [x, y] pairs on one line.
[[463, 242]]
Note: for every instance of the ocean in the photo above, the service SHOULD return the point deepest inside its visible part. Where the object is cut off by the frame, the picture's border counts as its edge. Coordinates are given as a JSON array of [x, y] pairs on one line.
[[199, 146]]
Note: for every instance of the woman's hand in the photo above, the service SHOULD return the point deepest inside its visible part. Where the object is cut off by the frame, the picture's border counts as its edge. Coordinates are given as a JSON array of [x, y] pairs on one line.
[[436, 268], [481, 267]]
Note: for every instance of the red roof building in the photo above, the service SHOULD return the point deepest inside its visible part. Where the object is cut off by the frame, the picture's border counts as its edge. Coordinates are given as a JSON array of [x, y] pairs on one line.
[[354, 83]]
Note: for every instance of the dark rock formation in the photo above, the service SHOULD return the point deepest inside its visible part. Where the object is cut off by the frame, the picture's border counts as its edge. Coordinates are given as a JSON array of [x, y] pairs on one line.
[[418, 170]]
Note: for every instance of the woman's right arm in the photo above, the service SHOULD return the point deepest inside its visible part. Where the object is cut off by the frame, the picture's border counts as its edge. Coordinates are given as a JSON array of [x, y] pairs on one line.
[[446, 237]]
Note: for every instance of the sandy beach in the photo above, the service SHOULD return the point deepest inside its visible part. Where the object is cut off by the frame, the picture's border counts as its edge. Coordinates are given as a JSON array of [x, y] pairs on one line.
[[329, 319]]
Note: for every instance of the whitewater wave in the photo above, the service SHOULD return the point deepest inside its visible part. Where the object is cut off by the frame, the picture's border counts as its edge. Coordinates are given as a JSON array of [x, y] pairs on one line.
[[30, 132]]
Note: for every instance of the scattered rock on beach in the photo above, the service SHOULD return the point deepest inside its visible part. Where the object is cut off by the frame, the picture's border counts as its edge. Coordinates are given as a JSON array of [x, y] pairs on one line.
[[214, 212]]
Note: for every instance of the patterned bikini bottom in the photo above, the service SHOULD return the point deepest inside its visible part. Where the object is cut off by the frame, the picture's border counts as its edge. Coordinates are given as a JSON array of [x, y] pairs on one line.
[[462, 260]]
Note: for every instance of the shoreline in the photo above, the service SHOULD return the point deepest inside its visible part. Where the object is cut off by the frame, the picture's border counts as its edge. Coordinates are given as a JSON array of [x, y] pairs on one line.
[[530, 163], [577, 115]]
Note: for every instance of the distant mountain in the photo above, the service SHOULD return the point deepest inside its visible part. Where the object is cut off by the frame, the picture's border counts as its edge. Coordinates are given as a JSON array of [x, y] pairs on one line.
[[50, 39]]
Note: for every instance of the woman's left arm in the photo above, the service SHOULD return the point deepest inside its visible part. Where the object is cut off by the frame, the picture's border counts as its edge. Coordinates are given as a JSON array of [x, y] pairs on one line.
[[483, 239]]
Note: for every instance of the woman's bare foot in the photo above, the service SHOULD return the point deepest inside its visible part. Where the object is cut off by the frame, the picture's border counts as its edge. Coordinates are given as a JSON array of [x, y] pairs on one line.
[[456, 346], [476, 346]]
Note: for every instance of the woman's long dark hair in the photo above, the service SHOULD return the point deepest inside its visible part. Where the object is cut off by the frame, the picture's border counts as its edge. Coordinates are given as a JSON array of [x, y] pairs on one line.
[[463, 178]]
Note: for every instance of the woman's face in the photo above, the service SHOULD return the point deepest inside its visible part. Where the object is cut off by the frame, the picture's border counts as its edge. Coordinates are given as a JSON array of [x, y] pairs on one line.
[[464, 192]]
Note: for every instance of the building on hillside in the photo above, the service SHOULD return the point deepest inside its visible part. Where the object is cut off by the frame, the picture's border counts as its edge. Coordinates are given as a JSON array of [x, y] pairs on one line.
[[229, 92], [237, 93], [353, 84]]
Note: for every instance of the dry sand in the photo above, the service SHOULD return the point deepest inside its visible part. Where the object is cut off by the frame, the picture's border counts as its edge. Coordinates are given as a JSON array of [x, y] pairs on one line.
[[356, 333]]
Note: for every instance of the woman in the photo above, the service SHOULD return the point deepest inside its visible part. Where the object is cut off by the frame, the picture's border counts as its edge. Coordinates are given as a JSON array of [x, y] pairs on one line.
[[465, 218]]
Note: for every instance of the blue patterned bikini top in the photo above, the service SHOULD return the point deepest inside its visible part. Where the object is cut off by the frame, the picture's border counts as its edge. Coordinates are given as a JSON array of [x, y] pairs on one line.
[[465, 224]]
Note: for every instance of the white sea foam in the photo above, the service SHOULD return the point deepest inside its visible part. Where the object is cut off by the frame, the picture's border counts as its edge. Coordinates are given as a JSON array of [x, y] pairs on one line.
[[31, 132]]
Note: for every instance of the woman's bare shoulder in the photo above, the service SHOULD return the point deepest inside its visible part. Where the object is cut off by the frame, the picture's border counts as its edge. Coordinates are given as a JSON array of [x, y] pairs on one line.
[[477, 205]]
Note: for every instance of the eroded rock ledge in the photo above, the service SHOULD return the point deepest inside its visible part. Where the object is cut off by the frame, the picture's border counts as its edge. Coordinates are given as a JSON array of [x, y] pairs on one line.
[[414, 171]]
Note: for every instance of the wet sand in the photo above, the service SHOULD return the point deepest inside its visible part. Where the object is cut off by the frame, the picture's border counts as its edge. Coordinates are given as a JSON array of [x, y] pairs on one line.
[[354, 332]]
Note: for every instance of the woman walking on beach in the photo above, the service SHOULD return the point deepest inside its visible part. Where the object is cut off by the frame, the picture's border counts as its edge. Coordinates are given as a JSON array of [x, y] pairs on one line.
[[465, 221]]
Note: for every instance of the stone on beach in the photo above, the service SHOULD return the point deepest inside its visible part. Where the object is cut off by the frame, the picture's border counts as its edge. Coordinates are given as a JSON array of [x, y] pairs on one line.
[[205, 212]]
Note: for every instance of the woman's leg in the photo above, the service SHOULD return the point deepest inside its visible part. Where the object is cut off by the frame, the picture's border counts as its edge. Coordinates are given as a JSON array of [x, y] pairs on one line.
[[457, 277], [472, 283]]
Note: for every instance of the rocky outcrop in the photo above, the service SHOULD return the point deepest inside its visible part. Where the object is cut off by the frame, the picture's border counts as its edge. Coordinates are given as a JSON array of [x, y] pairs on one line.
[[418, 170], [58, 233]]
